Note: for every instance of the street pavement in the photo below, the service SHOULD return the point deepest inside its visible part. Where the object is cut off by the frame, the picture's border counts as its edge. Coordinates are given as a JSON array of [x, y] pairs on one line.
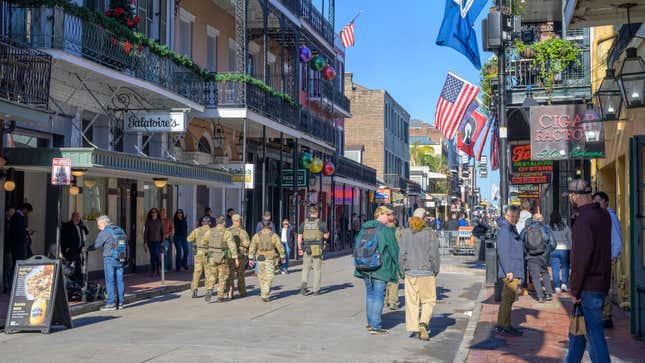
[[325, 328]]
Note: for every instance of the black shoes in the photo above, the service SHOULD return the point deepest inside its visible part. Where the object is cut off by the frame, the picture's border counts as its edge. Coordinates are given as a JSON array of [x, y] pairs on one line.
[[303, 289], [375, 331], [607, 324], [195, 294], [209, 294]]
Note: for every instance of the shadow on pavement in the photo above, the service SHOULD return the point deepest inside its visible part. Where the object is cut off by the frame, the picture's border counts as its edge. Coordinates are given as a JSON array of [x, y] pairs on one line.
[[442, 293], [440, 323], [153, 300], [393, 318], [89, 320], [332, 288]]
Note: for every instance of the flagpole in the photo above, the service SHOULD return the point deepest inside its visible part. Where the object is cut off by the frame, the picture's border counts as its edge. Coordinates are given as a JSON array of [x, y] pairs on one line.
[[357, 15]]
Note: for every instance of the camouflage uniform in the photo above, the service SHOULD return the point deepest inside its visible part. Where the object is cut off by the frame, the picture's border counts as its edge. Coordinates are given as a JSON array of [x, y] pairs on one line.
[[200, 250], [264, 244], [242, 241], [220, 242], [392, 288]]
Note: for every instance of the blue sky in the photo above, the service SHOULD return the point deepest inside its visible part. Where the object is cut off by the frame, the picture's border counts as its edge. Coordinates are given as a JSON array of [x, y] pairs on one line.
[[395, 50]]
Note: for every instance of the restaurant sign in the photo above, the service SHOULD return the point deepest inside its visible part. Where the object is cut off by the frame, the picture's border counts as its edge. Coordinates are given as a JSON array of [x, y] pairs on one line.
[[153, 122], [563, 132], [521, 161], [531, 178]]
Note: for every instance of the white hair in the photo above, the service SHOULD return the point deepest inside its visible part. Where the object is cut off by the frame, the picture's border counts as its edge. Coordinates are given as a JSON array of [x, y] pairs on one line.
[[103, 218]]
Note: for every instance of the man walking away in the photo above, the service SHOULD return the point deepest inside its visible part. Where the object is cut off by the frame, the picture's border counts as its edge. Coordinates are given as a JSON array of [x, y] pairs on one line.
[[220, 247], [590, 271], [375, 271], [112, 266], [538, 244], [525, 215], [263, 248], [420, 261], [242, 241], [310, 245], [616, 248], [200, 252], [510, 267], [392, 288]]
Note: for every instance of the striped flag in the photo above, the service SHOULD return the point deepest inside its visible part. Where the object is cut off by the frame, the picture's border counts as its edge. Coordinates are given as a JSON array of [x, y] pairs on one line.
[[347, 35], [494, 148], [480, 149], [456, 96]]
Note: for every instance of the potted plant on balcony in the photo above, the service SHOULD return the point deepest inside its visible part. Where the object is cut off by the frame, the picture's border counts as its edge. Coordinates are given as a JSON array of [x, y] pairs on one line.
[[488, 71]]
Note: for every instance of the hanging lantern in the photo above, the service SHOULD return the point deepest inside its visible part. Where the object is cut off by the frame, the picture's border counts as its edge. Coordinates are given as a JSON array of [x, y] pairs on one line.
[[317, 63], [305, 54], [305, 160], [218, 136], [631, 80], [608, 97], [328, 73], [316, 166], [328, 168]]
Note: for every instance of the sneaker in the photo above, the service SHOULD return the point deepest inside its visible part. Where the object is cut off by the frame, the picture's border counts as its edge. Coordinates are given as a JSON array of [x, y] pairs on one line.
[[208, 295], [564, 288], [607, 324], [283, 272], [194, 294], [508, 332], [265, 299], [378, 331], [423, 332], [541, 300], [108, 307], [368, 327], [549, 297], [303, 289], [558, 290]]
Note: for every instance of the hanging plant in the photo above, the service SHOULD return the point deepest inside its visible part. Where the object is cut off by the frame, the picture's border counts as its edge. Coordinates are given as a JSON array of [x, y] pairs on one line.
[[488, 71], [237, 77]]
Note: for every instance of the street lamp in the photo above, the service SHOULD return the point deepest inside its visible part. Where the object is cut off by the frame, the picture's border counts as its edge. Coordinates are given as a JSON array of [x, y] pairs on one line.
[[218, 136], [631, 80], [609, 97], [79, 172], [9, 184], [160, 182]]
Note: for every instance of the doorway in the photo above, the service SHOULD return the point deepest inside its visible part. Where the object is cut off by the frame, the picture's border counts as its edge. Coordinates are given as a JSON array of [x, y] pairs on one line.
[[637, 211], [127, 218]]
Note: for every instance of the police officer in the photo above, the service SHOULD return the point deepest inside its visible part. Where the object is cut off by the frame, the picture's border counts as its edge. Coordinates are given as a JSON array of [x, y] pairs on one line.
[[310, 245], [263, 249], [220, 247], [200, 250], [242, 242]]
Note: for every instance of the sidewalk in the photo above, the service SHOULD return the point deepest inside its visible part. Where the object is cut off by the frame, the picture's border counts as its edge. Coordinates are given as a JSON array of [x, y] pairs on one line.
[[545, 338]]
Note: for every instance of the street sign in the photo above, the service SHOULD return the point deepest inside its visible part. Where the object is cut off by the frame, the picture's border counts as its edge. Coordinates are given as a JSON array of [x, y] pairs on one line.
[[300, 178], [483, 173], [61, 171], [242, 175]]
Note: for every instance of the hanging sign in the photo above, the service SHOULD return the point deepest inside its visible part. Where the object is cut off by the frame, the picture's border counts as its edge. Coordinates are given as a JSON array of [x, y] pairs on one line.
[[531, 178], [61, 171], [563, 132], [156, 122], [383, 196], [521, 161], [528, 191], [242, 175], [38, 298], [300, 178]]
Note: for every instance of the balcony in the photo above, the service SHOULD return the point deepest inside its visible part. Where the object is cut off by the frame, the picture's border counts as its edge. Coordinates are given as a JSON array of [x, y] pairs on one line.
[[395, 181], [352, 170], [324, 90], [63, 35], [312, 16], [24, 74], [574, 83], [316, 127]]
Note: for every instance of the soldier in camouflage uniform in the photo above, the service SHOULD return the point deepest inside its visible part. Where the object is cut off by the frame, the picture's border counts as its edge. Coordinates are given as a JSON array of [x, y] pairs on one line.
[[220, 242], [200, 250], [242, 241], [263, 248], [310, 246]]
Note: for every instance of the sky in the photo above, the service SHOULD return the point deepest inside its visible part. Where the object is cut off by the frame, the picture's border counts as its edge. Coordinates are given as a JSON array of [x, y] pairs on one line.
[[395, 50]]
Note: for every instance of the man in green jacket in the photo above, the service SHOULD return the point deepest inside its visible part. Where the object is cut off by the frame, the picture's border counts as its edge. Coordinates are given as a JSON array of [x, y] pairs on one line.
[[375, 281]]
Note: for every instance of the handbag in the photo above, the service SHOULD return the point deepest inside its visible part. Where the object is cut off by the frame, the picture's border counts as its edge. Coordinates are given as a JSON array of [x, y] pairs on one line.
[[577, 324]]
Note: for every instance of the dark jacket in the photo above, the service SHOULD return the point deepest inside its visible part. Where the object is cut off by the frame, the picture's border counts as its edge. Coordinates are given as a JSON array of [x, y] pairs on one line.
[[591, 251], [258, 227], [154, 231], [290, 236], [510, 250], [181, 227], [18, 236], [70, 241], [419, 249], [541, 259], [389, 251]]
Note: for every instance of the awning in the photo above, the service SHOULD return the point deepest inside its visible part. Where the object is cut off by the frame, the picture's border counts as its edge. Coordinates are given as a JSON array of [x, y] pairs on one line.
[[591, 13], [341, 180], [20, 112], [115, 164]]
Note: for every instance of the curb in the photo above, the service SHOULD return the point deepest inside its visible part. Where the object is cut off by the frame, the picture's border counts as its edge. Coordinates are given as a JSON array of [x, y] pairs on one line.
[[469, 333]]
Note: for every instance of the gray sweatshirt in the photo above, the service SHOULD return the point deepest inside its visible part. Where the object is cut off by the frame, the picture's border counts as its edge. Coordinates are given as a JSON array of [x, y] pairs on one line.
[[419, 252]]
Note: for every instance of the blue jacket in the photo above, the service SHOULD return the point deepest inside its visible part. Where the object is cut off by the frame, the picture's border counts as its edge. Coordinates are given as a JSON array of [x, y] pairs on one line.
[[510, 250]]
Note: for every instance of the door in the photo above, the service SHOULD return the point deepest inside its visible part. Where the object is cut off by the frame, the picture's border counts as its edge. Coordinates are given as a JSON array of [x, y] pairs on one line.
[[127, 218], [637, 263]]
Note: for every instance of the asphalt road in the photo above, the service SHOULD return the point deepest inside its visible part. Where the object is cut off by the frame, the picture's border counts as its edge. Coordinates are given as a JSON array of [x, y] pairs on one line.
[[325, 328]]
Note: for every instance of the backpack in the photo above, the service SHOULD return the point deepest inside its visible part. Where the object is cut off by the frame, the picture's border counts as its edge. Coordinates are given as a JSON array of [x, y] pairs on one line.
[[311, 231], [366, 255], [534, 239], [120, 244]]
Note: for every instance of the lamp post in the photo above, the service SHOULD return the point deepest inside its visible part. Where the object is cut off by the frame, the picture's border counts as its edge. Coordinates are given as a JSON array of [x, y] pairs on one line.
[[608, 97]]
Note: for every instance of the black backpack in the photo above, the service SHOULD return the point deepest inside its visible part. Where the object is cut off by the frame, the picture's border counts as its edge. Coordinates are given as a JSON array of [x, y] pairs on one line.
[[535, 240]]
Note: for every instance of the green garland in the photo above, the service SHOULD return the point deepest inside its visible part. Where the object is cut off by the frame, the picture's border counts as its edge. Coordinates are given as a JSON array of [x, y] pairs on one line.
[[237, 77]]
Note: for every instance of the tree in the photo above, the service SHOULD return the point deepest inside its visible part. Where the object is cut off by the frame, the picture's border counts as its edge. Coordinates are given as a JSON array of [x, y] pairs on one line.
[[423, 155]]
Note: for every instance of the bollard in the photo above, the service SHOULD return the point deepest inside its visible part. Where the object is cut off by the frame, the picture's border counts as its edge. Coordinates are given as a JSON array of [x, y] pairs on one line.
[[163, 268]]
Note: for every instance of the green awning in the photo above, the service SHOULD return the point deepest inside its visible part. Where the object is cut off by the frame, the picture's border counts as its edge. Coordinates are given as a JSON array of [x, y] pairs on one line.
[[130, 165]]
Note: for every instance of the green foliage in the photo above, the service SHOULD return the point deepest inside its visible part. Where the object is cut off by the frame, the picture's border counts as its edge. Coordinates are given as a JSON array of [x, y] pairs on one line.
[[488, 71], [237, 77], [439, 164], [551, 56]]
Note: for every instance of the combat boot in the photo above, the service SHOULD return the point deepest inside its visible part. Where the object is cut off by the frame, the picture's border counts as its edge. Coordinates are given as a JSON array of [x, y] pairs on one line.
[[209, 294], [195, 294], [303, 288]]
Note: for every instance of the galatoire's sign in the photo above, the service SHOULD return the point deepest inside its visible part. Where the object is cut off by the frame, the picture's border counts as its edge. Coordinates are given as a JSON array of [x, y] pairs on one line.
[[154, 122], [563, 132]]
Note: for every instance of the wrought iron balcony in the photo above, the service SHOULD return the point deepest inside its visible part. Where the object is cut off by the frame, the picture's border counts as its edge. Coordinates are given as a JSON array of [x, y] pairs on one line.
[[317, 127], [395, 181], [53, 28], [306, 10], [350, 169], [24, 74], [327, 90]]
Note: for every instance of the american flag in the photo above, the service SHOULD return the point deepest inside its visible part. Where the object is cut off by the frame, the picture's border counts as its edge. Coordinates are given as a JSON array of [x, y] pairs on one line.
[[347, 35], [456, 96]]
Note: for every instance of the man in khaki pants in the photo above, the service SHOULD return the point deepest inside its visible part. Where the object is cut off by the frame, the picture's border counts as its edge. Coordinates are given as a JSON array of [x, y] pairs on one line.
[[420, 261], [310, 245], [510, 267]]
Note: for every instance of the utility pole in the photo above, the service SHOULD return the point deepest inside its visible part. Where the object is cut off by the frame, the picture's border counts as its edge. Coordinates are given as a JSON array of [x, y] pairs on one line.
[[503, 122]]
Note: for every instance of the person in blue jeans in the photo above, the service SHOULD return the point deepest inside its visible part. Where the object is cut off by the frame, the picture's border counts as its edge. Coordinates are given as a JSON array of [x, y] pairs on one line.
[[287, 239], [560, 257], [389, 271], [112, 268], [180, 240]]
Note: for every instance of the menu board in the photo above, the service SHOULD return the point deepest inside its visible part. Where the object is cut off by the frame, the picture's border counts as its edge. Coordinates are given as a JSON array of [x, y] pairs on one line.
[[38, 299]]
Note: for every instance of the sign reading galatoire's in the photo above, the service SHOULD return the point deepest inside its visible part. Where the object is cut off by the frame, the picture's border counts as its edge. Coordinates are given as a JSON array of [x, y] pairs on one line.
[[153, 122], [562, 132]]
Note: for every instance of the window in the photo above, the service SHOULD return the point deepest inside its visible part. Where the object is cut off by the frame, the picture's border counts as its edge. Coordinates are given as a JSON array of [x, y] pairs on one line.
[[153, 15], [271, 70], [252, 60], [203, 145], [211, 48], [232, 55], [185, 44]]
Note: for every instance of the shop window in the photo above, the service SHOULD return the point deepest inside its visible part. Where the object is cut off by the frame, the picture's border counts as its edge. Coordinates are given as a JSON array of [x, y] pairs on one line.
[[94, 197]]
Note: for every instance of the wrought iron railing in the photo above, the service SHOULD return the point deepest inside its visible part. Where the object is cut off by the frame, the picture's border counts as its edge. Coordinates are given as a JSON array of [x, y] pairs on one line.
[[395, 181], [24, 74], [313, 17], [350, 169], [317, 127], [326, 89], [44, 27]]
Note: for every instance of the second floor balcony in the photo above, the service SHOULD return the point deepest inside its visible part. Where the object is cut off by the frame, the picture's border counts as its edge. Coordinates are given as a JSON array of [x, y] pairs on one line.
[[350, 169], [325, 92], [395, 181], [308, 13], [24, 74]]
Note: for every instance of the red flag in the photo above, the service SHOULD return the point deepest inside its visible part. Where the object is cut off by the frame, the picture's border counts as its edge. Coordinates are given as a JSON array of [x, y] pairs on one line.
[[494, 149], [467, 149], [480, 149]]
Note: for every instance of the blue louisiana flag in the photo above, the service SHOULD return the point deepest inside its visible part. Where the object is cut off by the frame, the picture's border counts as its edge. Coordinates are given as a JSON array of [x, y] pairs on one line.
[[457, 28]]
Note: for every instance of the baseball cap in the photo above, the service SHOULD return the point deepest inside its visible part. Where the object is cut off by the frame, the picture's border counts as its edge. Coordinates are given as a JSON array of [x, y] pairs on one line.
[[206, 220], [382, 210], [420, 213], [236, 217]]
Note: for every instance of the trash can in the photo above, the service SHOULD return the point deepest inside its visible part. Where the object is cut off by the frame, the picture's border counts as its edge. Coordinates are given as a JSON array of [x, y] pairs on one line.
[[491, 268]]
